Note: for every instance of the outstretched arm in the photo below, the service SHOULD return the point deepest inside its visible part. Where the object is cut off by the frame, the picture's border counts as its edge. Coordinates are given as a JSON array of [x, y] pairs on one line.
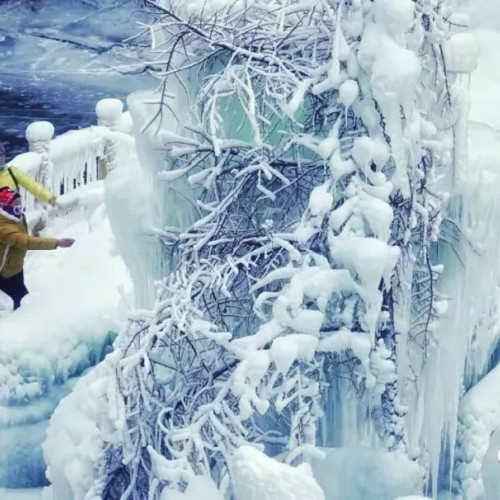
[[10, 235], [32, 186]]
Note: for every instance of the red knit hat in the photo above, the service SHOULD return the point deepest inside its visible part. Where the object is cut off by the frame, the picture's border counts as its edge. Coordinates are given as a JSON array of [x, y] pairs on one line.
[[8, 196]]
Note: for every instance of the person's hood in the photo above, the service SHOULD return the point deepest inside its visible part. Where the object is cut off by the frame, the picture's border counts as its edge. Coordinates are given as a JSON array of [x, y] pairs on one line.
[[11, 217]]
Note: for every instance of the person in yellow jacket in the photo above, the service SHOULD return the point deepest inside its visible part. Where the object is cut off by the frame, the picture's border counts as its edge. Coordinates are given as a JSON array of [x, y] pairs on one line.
[[12, 177], [15, 242]]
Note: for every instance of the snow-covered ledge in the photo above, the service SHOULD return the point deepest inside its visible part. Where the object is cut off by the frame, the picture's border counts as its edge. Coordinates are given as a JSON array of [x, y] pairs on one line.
[[478, 419]]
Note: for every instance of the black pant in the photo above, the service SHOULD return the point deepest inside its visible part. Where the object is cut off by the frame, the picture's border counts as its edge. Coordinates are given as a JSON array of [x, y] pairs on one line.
[[14, 287]]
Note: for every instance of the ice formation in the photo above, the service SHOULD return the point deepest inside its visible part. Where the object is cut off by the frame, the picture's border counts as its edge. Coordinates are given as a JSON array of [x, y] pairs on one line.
[[329, 283]]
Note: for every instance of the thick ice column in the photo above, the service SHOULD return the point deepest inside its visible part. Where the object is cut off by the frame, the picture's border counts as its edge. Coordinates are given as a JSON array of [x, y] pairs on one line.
[[109, 113], [174, 199], [130, 201]]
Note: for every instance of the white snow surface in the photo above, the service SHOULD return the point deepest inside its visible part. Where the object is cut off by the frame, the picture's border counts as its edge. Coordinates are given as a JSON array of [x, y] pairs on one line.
[[259, 477], [198, 487], [413, 497]]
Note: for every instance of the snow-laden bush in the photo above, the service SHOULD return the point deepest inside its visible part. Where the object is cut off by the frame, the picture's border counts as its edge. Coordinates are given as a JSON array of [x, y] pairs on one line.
[[320, 136]]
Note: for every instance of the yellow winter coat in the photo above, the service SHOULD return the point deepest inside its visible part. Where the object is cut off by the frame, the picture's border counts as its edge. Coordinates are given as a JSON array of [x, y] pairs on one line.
[[15, 242], [24, 181]]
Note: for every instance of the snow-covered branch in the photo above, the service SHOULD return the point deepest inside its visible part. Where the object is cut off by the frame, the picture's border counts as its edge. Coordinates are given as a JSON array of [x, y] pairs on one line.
[[318, 136]]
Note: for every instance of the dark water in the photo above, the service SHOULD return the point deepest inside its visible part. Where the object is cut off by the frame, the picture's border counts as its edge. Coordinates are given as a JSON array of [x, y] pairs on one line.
[[67, 106], [58, 58]]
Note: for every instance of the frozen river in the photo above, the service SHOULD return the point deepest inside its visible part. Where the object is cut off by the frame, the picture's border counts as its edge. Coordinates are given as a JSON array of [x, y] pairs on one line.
[[59, 57]]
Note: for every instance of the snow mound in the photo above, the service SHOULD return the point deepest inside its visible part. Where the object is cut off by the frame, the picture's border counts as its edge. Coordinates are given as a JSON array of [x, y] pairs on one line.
[[259, 477], [462, 53]]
